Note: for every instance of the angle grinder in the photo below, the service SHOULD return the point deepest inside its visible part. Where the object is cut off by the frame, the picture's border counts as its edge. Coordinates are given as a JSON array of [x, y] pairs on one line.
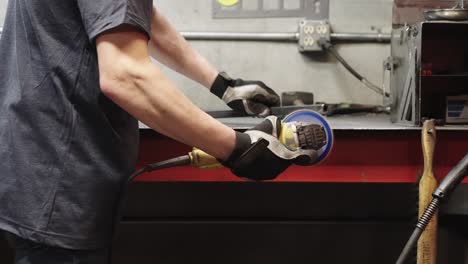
[[302, 129], [307, 118]]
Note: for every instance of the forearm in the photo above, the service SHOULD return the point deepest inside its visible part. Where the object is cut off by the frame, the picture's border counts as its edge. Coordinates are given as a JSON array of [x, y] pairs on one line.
[[153, 99], [170, 48]]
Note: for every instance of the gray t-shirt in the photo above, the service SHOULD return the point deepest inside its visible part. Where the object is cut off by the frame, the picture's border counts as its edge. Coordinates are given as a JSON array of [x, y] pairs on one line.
[[65, 149]]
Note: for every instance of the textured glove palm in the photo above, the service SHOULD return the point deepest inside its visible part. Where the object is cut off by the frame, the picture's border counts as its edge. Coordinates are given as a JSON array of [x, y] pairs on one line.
[[259, 155], [247, 97]]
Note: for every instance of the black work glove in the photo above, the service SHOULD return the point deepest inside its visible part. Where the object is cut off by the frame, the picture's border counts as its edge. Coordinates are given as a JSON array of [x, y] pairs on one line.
[[259, 155], [246, 97]]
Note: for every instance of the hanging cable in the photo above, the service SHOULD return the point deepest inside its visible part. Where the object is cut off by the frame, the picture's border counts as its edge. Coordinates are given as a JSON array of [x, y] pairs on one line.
[[442, 193], [325, 44], [179, 161]]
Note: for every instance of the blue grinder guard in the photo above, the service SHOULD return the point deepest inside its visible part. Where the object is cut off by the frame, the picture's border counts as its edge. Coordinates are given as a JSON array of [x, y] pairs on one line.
[[312, 117]]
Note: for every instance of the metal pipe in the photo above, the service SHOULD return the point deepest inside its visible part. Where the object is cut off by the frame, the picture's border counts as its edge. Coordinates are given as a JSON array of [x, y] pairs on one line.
[[283, 36], [362, 37], [246, 36]]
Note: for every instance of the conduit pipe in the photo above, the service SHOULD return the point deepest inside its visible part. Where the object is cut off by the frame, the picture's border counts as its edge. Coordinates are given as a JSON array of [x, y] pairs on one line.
[[280, 36], [283, 36]]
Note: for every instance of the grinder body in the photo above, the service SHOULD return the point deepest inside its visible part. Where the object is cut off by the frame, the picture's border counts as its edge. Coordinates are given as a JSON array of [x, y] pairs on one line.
[[307, 117]]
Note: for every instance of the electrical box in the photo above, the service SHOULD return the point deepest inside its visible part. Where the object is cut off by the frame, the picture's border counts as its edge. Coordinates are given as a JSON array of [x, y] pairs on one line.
[[310, 32]]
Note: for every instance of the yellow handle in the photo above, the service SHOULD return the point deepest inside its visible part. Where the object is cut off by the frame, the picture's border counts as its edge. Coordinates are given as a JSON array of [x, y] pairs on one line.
[[202, 160], [427, 244]]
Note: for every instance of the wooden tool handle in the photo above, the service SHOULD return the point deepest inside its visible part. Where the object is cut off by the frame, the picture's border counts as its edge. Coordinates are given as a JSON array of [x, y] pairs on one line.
[[427, 244]]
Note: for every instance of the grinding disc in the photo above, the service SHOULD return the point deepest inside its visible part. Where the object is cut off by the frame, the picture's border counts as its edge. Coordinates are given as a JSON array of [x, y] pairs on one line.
[[312, 117]]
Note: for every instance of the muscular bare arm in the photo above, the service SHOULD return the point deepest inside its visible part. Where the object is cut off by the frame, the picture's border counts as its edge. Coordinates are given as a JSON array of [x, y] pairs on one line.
[[171, 49], [130, 79]]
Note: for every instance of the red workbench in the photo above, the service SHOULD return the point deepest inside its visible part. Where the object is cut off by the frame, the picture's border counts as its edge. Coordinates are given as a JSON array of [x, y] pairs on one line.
[[367, 156], [360, 202]]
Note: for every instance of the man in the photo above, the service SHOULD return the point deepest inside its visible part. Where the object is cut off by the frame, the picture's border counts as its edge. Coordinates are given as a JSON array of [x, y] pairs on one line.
[[75, 76]]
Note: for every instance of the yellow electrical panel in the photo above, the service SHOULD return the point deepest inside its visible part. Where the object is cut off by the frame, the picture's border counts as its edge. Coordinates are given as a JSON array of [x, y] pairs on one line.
[[228, 2]]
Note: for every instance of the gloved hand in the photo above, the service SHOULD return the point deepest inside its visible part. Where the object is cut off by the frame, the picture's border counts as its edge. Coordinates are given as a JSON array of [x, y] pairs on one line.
[[247, 97], [259, 155]]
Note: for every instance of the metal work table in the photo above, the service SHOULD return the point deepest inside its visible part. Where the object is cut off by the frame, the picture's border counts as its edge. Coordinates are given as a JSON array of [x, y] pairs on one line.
[[364, 121], [346, 122], [367, 148]]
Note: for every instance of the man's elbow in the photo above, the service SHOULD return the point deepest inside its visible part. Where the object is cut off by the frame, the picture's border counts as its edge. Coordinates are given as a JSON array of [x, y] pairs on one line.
[[120, 81], [117, 80], [110, 83]]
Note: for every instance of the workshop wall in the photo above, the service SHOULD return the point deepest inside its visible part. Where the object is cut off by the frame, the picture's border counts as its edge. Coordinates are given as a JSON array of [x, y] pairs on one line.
[[280, 65], [3, 6]]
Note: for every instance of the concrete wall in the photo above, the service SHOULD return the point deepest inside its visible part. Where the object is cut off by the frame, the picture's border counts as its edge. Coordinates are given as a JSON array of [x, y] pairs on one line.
[[280, 65], [3, 6]]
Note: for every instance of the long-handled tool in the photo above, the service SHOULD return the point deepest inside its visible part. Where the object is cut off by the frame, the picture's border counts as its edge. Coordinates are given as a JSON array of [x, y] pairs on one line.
[[322, 108], [427, 244], [442, 193], [304, 129]]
